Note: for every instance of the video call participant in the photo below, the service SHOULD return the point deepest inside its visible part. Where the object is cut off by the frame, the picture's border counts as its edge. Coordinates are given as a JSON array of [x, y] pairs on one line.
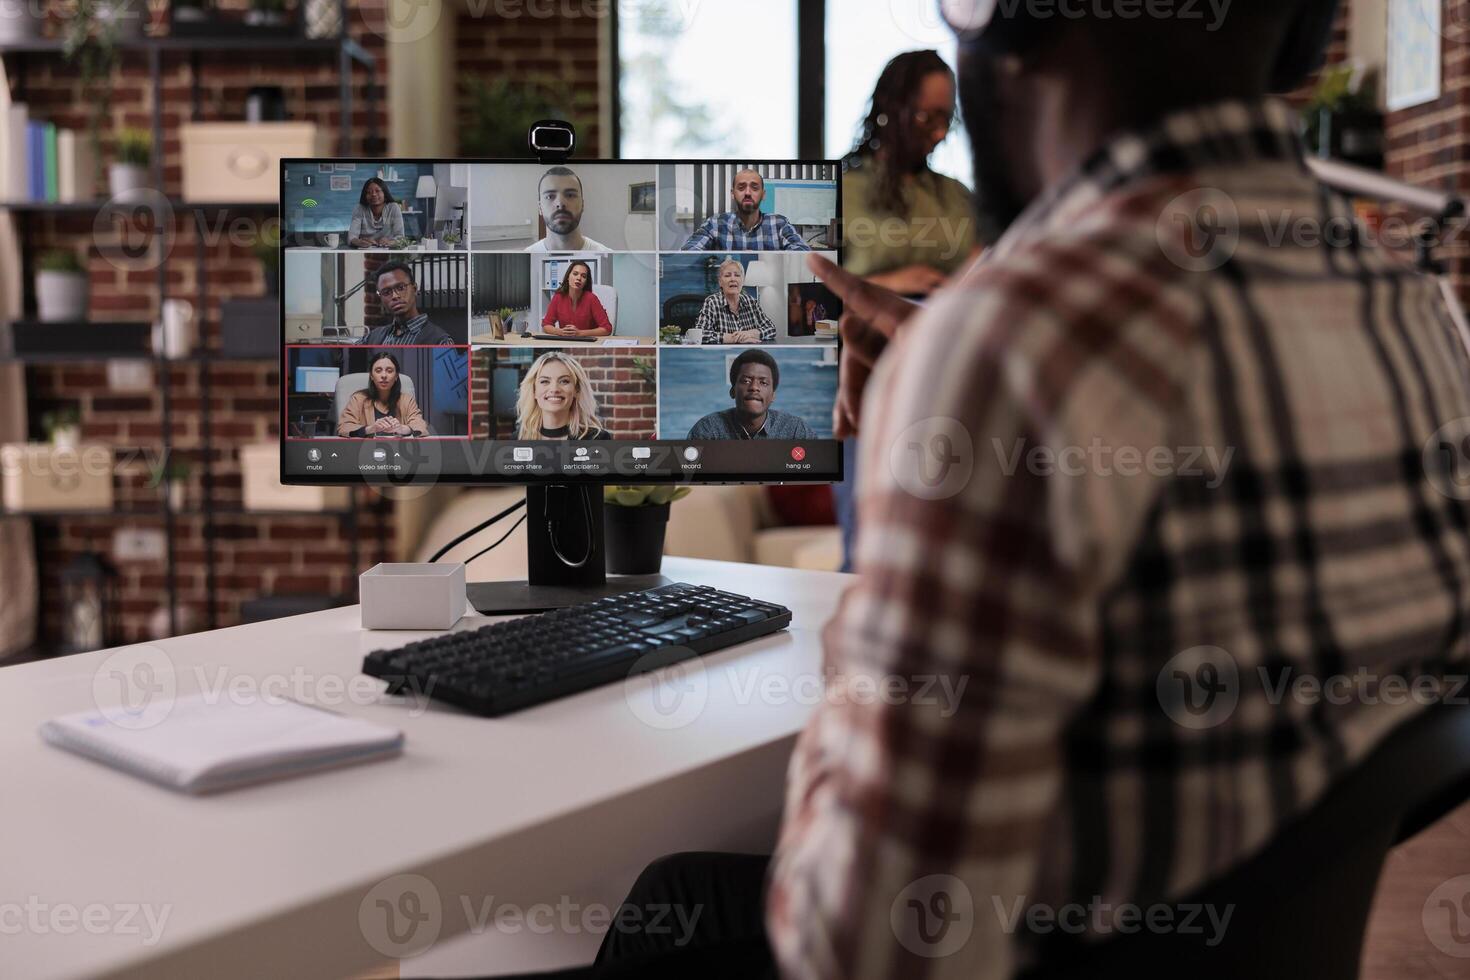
[[377, 219], [556, 401], [383, 408], [559, 197], [400, 297], [732, 316], [574, 310], [745, 228], [754, 376]]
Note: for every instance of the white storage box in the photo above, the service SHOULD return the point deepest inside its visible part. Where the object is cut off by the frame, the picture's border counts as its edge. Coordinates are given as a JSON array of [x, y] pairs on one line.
[[38, 476], [412, 596], [260, 478], [237, 161]]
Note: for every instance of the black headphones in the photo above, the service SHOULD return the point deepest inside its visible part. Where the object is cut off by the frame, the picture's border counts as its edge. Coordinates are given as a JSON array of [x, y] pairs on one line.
[[988, 26]]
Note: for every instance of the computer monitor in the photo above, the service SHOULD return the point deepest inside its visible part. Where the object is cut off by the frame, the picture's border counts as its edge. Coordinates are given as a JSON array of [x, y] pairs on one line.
[[567, 326]]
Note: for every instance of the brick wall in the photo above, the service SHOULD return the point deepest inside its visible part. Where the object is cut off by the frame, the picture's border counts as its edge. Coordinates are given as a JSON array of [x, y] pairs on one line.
[[1429, 144], [505, 38], [625, 398], [253, 554]]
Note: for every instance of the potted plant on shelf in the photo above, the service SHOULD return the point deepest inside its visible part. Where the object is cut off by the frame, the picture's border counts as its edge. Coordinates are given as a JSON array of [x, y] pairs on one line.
[[63, 427], [61, 286], [452, 240], [634, 521], [127, 175], [171, 478], [1341, 120]]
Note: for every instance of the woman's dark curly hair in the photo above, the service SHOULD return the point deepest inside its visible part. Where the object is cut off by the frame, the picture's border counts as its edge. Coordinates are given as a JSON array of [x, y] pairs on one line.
[[889, 126]]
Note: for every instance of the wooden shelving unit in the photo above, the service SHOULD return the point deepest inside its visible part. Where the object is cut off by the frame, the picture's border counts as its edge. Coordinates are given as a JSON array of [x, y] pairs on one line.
[[350, 55]]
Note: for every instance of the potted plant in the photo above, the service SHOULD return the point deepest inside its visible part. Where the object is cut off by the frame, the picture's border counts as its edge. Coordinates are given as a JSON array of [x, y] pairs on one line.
[[63, 427], [634, 521], [61, 286], [669, 333], [1342, 120], [172, 478], [452, 239], [127, 175]]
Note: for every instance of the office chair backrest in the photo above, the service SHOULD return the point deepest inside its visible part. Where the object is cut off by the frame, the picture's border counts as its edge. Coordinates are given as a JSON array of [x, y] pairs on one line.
[[1299, 908], [349, 383], [608, 297]]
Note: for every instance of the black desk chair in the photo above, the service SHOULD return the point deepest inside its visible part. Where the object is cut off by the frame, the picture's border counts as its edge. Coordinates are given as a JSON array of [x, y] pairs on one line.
[[1301, 905]]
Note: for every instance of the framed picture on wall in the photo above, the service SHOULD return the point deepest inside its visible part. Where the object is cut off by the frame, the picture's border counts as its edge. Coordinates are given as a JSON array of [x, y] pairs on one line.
[[640, 197]]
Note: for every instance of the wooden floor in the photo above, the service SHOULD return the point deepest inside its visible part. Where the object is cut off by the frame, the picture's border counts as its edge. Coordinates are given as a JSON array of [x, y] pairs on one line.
[[1402, 931]]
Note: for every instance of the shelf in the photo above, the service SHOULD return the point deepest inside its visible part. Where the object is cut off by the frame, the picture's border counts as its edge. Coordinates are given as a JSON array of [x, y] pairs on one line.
[[85, 207], [224, 42]]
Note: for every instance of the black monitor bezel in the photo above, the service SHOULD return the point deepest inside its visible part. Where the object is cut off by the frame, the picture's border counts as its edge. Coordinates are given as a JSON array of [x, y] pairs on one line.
[[466, 480]]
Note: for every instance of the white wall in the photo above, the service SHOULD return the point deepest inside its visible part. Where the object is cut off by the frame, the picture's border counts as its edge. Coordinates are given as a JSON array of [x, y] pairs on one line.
[[635, 278], [503, 200]]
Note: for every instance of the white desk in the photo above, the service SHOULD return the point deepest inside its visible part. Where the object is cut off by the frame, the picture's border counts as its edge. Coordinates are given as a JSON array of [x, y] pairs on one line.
[[565, 802]]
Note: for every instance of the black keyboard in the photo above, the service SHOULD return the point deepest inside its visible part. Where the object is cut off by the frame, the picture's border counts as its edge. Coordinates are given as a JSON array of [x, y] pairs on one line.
[[511, 665]]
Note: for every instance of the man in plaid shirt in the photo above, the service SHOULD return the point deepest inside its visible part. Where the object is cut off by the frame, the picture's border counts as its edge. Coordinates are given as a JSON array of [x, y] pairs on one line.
[[746, 323], [745, 228], [1142, 465]]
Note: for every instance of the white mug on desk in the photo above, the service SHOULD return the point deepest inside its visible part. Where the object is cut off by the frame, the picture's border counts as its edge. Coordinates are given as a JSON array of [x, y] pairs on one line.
[[694, 335], [173, 334]]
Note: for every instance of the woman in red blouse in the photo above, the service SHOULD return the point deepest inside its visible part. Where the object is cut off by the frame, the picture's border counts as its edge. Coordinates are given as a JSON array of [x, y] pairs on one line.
[[574, 311]]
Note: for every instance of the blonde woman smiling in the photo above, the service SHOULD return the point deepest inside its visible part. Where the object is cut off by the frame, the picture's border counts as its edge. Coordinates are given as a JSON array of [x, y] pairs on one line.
[[557, 401]]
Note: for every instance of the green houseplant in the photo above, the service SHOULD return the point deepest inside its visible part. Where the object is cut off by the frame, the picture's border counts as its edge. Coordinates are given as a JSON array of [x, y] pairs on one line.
[[127, 175], [634, 521], [61, 286], [171, 477], [1342, 120], [63, 427], [267, 251]]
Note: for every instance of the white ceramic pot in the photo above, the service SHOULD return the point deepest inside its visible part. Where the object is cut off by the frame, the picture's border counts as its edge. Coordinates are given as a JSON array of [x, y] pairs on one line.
[[126, 180], [21, 20], [61, 296]]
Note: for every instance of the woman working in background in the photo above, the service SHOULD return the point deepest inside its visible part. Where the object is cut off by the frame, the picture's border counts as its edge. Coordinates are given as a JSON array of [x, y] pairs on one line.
[[557, 401], [907, 228], [383, 408], [377, 220], [574, 310]]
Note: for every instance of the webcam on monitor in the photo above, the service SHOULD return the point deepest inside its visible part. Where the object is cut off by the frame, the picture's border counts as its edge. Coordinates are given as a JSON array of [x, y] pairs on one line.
[[552, 140]]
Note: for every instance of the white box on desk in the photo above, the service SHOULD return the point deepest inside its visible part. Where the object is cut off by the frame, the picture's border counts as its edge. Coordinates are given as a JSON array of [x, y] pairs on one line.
[[412, 596], [260, 481], [40, 476], [236, 161]]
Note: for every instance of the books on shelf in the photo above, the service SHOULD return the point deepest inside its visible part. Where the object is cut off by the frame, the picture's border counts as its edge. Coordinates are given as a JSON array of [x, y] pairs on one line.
[[42, 162]]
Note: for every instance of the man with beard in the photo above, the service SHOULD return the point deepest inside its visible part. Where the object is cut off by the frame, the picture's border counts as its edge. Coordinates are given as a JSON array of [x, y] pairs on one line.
[[559, 196], [1143, 459], [754, 377], [745, 229]]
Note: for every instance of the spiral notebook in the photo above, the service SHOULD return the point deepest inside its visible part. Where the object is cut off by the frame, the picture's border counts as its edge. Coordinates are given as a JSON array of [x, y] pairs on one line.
[[201, 745]]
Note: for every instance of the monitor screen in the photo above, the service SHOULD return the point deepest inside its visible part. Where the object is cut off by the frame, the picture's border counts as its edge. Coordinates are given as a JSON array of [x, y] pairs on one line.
[[498, 322]]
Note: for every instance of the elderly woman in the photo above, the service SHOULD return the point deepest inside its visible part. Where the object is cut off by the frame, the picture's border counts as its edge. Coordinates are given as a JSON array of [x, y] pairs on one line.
[[732, 317], [382, 409]]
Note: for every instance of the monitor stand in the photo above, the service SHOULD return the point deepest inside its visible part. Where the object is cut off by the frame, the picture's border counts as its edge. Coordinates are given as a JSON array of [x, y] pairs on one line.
[[565, 561]]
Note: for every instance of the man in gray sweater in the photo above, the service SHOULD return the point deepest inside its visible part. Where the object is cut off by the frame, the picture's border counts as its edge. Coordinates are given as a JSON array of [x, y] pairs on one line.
[[754, 377]]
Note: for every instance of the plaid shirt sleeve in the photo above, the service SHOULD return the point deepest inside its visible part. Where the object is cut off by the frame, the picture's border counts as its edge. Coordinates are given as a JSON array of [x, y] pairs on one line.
[[791, 240], [973, 616], [707, 313], [702, 237], [763, 323]]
